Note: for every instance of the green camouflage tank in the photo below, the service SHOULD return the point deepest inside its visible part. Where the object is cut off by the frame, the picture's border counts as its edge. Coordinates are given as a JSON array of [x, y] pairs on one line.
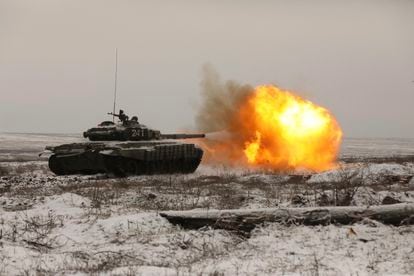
[[126, 148]]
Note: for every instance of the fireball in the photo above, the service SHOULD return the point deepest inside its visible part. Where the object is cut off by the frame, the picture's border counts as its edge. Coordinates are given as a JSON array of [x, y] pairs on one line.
[[275, 129], [288, 132]]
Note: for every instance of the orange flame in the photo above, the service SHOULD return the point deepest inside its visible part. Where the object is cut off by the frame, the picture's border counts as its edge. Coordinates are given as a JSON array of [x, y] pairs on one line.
[[275, 129]]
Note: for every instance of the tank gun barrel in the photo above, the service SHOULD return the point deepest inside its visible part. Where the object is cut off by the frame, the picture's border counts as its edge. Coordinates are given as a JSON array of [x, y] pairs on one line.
[[182, 136]]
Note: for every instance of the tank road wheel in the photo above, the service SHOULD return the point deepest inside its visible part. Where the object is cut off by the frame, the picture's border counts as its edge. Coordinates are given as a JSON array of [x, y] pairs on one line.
[[131, 167], [55, 165], [161, 167], [171, 167], [192, 165], [188, 165], [113, 165], [152, 167], [122, 167]]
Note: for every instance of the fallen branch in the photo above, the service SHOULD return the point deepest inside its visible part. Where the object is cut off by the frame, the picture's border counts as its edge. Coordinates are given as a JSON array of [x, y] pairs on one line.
[[246, 220], [38, 245]]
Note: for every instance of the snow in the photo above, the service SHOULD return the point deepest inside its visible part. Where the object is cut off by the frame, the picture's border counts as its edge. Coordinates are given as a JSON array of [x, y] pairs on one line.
[[155, 246], [390, 169], [26, 147], [359, 170], [82, 225], [369, 147], [411, 183]]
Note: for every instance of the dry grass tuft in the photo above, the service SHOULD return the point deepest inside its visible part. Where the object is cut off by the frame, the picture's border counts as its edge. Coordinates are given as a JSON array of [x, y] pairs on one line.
[[4, 171]]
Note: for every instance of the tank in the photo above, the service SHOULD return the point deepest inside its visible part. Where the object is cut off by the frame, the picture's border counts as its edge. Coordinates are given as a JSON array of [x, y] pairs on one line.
[[126, 148]]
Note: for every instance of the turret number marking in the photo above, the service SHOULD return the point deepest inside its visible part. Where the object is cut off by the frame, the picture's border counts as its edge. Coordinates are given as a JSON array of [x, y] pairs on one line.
[[136, 132]]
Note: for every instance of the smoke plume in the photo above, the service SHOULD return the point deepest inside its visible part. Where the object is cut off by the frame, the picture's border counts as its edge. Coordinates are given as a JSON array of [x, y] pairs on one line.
[[220, 101], [217, 117]]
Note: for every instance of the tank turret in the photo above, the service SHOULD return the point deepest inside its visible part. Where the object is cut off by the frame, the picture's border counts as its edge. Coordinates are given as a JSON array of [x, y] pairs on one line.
[[130, 130], [126, 148]]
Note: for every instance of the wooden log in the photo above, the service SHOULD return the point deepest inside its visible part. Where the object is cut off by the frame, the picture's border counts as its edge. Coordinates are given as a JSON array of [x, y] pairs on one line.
[[246, 220]]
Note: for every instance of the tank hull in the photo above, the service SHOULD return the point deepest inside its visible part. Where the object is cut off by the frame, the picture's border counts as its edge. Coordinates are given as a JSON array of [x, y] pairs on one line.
[[127, 158]]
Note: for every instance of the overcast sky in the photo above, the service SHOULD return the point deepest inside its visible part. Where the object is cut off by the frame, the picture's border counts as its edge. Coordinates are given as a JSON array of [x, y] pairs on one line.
[[355, 58]]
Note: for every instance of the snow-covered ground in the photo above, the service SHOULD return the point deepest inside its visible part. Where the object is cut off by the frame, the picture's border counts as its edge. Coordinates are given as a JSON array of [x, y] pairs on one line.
[[81, 225], [376, 147], [26, 147]]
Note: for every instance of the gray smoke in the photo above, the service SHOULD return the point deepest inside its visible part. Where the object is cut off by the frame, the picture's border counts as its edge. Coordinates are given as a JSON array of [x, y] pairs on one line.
[[220, 101]]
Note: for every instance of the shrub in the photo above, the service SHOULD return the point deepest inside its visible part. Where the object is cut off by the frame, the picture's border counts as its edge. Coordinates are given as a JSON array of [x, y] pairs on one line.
[[4, 171]]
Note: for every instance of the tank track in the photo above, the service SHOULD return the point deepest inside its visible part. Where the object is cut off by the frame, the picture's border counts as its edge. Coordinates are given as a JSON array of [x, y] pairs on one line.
[[121, 166], [92, 163], [86, 163]]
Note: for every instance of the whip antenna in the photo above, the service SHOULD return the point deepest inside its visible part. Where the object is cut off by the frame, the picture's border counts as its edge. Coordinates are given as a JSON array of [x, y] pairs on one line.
[[116, 76]]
